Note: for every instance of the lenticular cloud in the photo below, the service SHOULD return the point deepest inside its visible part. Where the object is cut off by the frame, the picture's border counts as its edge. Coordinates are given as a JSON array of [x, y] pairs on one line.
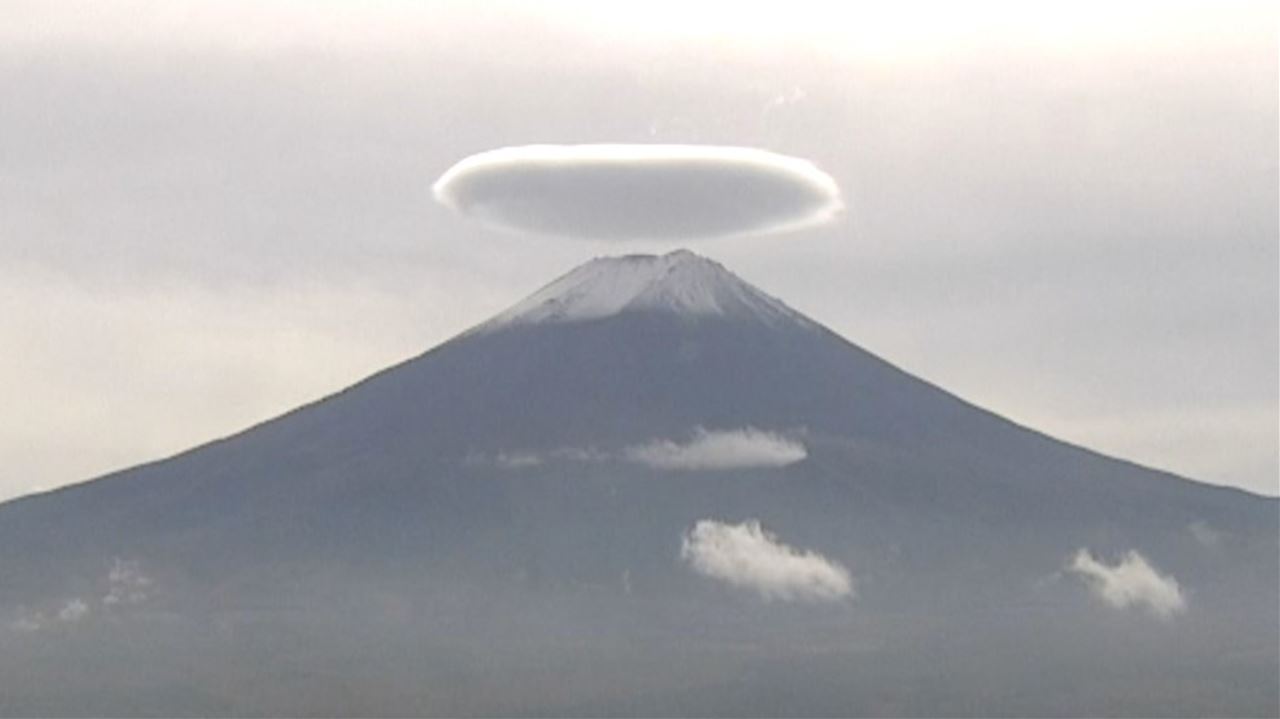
[[637, 192], [749, 557]]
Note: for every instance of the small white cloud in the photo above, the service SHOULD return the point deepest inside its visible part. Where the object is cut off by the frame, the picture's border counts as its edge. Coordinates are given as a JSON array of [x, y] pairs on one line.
[[126, 584], [707, 450], [629, 192], [28, 622], [1204, 534], [73, 611], [517, 460], [720, 450], [1131, 582], [749, 557], [524, 459]]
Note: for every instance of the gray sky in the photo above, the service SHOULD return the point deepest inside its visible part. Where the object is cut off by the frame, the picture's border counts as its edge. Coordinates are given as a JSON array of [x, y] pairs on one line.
[[210, 213]]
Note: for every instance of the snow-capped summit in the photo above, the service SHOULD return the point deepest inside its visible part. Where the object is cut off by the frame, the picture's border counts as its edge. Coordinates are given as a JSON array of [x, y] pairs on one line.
[[678, 282]]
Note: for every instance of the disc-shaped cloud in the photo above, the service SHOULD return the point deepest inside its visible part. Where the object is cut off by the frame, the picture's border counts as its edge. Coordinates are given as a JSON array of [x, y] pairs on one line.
[[1131, 582], [628, 192], [746, 556]]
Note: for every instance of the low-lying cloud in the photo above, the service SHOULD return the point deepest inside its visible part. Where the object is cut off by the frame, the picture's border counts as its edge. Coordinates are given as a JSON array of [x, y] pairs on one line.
[[749, 557], [517, 460], [73, 611], [528, 458], [639, 192], [707, 450], [126, 584], [28, 622], [1132, 582], [720, 450]]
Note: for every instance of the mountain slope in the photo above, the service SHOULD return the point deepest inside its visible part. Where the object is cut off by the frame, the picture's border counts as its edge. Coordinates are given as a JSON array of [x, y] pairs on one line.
[[494, 497]]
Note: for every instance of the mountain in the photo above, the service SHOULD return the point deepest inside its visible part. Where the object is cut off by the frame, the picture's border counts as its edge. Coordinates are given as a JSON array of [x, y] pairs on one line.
[[649, 488], [680, 283]]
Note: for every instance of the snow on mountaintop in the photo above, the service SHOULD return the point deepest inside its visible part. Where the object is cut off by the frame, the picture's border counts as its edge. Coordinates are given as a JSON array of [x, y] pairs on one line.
[[679, 282]]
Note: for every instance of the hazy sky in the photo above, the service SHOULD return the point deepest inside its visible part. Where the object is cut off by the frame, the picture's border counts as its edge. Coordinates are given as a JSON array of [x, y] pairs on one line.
[[212, 212]]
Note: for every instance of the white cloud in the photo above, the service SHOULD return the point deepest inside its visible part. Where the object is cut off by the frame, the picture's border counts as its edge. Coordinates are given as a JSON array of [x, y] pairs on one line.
[[1131, 582], [528, 458], [28, 622], [630, 192], [749, 557], [126, 584], [517, 460], [707, 450], [73, 611], [728, 449], [577, 454]]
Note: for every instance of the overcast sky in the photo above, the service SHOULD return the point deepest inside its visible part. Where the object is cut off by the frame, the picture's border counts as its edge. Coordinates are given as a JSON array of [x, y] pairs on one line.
[[212, 212]]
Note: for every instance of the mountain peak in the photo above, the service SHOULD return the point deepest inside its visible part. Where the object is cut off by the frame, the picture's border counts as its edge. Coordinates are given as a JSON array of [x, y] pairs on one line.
[[679, 282]]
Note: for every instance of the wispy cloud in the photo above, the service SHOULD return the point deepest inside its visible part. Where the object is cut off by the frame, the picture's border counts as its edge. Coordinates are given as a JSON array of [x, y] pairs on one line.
[[126, 584], [73, 611], [708, 450], [517, 460], [1204, 534], [528, 458], [749, 557], [28, 622], [1131, 582], [578, 454], [711, 450]]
